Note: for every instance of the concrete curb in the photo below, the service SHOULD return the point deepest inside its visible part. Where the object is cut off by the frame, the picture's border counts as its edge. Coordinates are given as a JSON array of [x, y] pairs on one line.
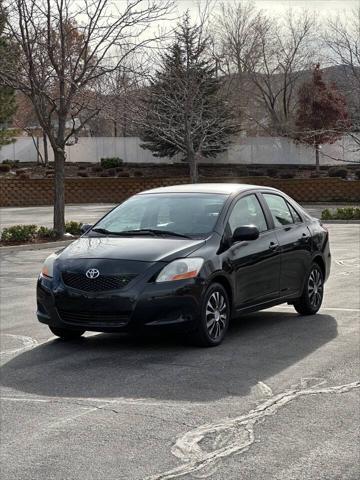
[[35, 246], [356, 222]]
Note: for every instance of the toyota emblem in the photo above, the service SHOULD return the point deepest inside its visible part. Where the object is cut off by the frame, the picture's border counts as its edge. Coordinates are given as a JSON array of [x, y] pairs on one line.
[[92, 273]]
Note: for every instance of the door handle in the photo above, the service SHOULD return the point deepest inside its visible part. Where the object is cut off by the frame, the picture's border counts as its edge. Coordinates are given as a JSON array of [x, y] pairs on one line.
[[273, 246]]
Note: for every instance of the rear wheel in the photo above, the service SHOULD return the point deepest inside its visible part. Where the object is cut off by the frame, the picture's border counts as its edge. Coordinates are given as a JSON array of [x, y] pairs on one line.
[[215, 316], [311, 299], [66, 334]]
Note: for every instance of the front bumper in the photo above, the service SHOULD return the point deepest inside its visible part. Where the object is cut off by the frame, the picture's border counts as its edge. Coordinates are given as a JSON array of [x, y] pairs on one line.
[[168, 304]]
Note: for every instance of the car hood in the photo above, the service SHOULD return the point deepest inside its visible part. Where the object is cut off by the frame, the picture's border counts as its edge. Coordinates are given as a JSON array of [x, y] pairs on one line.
[[146, 249]]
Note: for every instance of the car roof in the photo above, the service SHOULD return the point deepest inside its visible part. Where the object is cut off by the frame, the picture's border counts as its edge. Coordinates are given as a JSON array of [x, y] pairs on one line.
[[222, 188]]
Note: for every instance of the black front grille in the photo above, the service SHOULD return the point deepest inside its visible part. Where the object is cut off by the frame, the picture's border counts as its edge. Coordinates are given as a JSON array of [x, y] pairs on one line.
[[99, 284], [94, 319]]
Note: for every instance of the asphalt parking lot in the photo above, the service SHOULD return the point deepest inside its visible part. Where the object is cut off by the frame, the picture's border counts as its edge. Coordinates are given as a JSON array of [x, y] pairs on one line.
[[279, 399]]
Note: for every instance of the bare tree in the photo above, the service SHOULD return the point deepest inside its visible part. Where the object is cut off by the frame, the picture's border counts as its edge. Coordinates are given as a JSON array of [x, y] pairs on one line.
[[236, 31], [121, 89], [65, 48], [285, 52], [254, 50], [342, 39]]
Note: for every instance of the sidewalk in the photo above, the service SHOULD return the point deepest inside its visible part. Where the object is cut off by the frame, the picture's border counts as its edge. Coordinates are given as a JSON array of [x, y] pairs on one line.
[[89, 213]]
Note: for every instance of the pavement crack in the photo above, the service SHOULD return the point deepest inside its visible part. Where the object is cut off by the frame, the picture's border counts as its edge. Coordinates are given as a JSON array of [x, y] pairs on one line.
[[236, 435]]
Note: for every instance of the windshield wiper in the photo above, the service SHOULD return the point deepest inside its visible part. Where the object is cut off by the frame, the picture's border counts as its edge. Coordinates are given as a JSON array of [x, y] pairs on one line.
[[142, 231], [154, 232], [104, 231]]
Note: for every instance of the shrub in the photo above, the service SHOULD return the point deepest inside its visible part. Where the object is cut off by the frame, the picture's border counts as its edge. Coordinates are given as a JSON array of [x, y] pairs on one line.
[[4, 167], [82, 167], [104, 174], [124, 174], [21, 171], [73, 227], [357, 174], [45, 232], [326, 214], [346, 213], [111, 162], [82, 174], [138, 173], [12, 163], [111, 172], [19, 233], [338, 172], [97, 168]]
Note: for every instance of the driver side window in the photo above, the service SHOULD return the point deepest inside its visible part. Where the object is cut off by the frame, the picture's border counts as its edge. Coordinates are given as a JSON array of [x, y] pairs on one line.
[[247, 211]]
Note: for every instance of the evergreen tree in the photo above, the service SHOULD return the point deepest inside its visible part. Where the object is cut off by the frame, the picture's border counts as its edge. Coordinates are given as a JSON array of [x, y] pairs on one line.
[[7, 95], [322, 115], [185, 111]]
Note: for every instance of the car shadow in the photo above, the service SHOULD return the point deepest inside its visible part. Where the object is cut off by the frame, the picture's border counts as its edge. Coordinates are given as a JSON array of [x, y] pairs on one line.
[[257, 347]]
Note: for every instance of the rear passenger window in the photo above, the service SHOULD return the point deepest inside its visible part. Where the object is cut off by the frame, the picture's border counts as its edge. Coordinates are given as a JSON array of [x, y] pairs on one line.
[[295, 215], [279, 210]]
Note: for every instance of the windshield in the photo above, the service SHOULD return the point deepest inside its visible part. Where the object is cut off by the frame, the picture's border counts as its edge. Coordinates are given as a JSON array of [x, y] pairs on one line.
[[188, 215]]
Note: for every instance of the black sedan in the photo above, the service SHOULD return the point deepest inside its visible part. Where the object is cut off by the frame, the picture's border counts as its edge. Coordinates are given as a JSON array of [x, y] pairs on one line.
[[189, 257]]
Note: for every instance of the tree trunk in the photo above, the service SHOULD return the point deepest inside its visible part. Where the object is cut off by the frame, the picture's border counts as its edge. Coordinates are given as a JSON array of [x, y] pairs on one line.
[[46, 152], [192, 159], [317, 157], [59, 192]]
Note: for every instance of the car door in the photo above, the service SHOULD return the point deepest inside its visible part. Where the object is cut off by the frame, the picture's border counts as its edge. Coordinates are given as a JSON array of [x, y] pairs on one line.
[[255, 264], [294, 243]]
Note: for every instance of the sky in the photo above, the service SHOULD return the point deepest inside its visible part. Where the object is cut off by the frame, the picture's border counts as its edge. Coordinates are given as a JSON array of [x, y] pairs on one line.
[[279, 7]]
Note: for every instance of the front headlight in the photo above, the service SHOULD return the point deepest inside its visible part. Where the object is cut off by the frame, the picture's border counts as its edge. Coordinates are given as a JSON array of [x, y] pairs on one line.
[[48, 266], [180, 269]]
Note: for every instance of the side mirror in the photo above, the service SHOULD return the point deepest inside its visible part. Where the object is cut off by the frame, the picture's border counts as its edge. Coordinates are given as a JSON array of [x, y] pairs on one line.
[[245, 233], [85, 227]]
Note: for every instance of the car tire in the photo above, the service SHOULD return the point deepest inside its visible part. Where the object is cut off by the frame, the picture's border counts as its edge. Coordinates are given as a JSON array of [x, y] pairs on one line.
[[215, 317], [66, 334], [311, 299]]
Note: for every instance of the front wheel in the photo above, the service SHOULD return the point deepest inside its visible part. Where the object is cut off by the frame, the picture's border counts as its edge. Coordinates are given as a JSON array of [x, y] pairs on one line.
[[311, 299], [215, 316], [66, 334]]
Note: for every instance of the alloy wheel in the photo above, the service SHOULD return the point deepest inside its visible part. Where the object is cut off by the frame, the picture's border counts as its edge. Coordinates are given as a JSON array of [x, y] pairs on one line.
[[315, 288], [216, 314]]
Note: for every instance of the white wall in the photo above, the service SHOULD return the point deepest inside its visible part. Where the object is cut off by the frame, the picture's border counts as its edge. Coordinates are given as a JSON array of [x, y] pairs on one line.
[[246, 150]]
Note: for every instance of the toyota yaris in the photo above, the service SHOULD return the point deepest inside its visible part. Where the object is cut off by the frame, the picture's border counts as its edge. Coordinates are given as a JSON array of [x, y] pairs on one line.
[[189, 257]]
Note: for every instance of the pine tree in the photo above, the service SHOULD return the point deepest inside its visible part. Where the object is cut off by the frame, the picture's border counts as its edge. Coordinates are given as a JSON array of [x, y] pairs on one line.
[[322, 115], [185, 111], [7, 95]]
